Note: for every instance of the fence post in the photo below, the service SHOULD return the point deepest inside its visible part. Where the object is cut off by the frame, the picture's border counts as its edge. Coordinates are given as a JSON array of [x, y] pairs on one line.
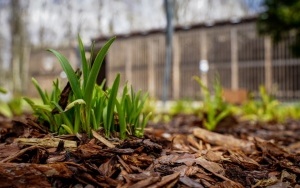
[[234, 59], [268, 63], [151, 68], [128, 64], [203, 52], [176, 68]]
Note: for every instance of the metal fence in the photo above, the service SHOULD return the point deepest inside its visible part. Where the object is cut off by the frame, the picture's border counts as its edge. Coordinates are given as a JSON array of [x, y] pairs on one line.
[[235, 52]]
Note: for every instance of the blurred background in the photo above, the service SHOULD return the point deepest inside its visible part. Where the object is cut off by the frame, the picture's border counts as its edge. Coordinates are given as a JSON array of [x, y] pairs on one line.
[[160, 44]]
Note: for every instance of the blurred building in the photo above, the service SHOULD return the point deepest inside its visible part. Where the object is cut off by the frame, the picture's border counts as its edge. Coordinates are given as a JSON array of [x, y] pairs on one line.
[[220, 32], [56, 23], [234, 51]]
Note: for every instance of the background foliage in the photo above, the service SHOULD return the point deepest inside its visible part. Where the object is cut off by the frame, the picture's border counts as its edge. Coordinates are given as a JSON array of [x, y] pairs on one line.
[[280, 17]]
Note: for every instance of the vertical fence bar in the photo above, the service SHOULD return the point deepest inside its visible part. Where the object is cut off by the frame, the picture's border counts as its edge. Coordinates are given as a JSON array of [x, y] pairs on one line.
[[151, 68], [268, 63], [176, 68], [203, 52], [234, 59], [128, 64]]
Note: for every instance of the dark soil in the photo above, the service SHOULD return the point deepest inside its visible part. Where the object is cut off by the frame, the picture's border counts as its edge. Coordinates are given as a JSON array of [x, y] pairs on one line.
[[175, 154]]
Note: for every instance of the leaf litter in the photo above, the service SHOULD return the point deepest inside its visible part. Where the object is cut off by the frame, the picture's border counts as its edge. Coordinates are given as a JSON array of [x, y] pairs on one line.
[[170, 155]]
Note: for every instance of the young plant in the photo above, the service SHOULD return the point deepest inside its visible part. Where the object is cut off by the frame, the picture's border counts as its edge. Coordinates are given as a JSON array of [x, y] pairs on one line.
[[83, 105], [16, 106], [214, 108], [4, 108], [11, 106], [291, 111], [82, 92], [2, 90], [267, 109], [156, 114], [150, 107], [44, 111], [130, 108], [182, 107]]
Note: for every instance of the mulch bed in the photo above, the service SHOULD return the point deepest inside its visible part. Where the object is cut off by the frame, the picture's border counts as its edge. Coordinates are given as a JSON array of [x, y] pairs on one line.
[[175, 154]]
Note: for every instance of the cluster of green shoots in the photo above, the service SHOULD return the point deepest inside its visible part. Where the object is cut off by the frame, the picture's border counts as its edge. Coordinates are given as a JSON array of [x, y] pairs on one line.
[[2, 90], [214, 109], [13, 107], [182, 107], [4, 108], [268, 109], [262, 110], [83, 106]]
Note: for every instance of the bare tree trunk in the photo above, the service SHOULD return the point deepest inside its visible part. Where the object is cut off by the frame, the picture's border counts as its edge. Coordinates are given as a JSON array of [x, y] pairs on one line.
[[99, 16], [169, 49], [2, 71], [18, 48], [68, 23], [25, 68]]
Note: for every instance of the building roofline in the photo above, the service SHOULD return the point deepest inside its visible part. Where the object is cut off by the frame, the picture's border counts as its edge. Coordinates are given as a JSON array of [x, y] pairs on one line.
[[177, 28]]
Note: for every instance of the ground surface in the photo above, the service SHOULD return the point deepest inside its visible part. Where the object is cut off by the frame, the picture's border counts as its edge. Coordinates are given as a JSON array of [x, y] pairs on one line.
[[175, 154]]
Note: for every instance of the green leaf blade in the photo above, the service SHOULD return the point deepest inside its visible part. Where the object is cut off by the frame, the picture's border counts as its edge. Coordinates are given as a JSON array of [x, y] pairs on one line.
[[91, 81], [84, 64], [72, 77], [111, 104]]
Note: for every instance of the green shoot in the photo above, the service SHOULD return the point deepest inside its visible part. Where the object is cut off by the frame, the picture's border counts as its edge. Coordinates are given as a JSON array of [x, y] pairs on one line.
[[214, 108], [265, 110]]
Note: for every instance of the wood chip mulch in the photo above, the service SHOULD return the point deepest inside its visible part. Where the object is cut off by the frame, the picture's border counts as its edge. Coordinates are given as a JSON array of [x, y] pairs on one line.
[[178, 154]]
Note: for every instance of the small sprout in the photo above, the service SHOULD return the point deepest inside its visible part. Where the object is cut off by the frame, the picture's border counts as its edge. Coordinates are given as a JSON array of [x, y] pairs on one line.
[[214, 108]]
